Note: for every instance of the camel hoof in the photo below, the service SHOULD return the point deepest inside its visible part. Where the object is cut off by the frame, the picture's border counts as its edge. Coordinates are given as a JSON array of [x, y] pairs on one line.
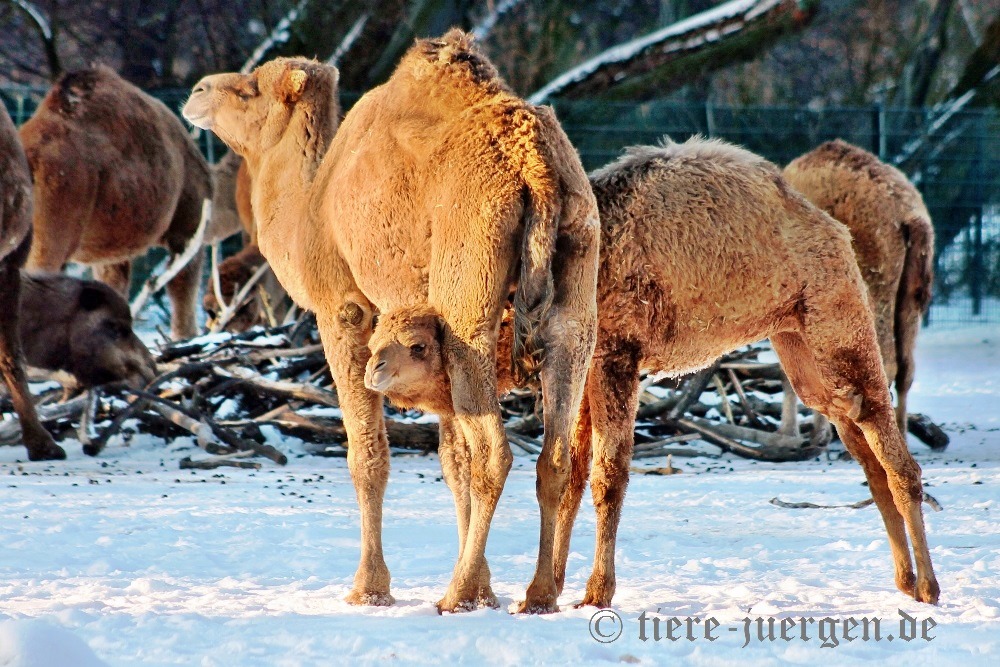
[[370, 599], [487, 600], [592, 601], [907, 584], [538, 607], [49, 451], [928, 591], [447, 605]]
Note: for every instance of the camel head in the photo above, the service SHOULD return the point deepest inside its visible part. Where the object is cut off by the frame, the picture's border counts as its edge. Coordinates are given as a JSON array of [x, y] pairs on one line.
[[253, 112], [407, 362]]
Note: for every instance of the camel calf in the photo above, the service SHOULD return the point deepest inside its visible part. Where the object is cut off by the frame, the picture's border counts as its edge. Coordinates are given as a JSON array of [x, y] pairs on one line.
[[82, 327], [704, 249], [893, 240], [115, 173]]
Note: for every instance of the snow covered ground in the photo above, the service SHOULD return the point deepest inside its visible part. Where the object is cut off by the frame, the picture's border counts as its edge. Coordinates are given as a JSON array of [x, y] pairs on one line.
[[126, 560]]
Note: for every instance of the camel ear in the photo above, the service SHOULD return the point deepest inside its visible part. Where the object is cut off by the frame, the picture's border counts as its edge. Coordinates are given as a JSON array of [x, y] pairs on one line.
[[439, 329], [295, 84]]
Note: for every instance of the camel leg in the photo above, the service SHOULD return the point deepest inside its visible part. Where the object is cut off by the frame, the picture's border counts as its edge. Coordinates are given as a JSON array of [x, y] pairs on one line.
[[456, 468], [345, 337], [846, 382], [907, 326], [789, 408], [116, 275], [183, 293], [471, 359], [613, 393], [569, 335], [570, 505], [40, 445]]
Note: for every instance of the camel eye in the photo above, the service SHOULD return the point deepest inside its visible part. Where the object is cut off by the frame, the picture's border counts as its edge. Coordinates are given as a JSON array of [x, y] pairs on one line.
[[418, 350]]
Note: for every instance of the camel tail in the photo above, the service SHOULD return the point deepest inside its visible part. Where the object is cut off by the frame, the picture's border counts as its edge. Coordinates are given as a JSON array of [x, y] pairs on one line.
[[535, 288], [914, 295]]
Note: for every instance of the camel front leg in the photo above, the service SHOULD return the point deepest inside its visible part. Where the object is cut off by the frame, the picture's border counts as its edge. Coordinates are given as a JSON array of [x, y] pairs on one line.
[[472, 368], [345, 337], [456, 466], [116, 275]]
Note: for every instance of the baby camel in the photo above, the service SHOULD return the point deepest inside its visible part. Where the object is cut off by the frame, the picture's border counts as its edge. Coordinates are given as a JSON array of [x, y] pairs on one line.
[[704, 248]]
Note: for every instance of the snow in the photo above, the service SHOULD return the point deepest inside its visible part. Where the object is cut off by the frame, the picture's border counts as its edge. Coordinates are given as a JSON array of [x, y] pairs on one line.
[[126, 560]]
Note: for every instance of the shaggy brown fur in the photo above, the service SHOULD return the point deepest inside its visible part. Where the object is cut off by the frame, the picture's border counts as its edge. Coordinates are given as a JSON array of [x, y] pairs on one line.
[[82, 327], [442, 188], [15, 239], [893, 240], [704, 249], [115, 173]]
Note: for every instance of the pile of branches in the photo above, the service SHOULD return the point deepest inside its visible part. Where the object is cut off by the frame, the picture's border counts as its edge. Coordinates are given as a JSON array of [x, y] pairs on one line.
[[227, 391]]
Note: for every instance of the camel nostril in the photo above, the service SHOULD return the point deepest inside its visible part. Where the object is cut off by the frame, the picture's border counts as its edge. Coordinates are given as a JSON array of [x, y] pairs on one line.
[[380, 365], [200, 88]]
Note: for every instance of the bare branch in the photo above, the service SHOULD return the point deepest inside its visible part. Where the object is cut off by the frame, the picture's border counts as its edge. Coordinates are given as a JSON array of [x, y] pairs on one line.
[[733, 31], [348, 41], [483, 29], [45, 32], [156, 283], [279, 35]]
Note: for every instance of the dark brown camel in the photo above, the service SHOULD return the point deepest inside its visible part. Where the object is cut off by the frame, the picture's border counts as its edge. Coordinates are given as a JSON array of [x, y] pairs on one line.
[[15, 240], [115, 173]]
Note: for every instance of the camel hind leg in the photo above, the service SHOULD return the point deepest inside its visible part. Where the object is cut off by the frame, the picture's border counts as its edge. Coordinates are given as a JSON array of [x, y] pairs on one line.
[[613, 394], [568, 336], [580, 457], [907, 326], [843, 378]]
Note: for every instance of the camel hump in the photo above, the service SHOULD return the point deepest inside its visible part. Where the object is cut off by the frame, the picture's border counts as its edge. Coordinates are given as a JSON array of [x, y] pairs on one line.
[[526, 147], [74, 91]]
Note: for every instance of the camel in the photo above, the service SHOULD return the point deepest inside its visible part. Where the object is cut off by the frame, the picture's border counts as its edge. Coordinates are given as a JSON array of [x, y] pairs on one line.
[[82, 327], [115, 173], [893, 239], [704, 248], [441, 187], [15, 240]]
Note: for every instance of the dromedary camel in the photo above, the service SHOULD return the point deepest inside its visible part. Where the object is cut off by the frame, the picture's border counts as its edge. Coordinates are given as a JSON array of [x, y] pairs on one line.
[[704, 248], [440, 187], [115, 173], [893, 240], [15, 239], [82, 327]]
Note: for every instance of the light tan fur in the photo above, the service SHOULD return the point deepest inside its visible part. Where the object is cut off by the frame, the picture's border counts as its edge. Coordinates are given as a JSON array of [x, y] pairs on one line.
[[893, 240], [704, 249], [115, 173], [442, 188]]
